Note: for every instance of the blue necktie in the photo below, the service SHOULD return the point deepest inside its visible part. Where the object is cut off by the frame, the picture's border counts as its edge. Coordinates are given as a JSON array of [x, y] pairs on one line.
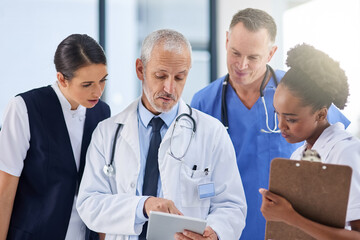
[[151, 177]]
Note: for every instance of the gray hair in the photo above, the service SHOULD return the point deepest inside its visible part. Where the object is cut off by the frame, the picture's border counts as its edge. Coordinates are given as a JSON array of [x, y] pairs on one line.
[[254, 20], [172, 41]]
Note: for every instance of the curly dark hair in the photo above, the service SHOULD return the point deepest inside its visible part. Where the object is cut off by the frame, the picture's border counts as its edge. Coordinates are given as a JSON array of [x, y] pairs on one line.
[[316, 78]]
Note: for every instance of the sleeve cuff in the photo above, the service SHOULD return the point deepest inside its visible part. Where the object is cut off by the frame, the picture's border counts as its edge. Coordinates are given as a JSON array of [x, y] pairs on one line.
[[139, 217]]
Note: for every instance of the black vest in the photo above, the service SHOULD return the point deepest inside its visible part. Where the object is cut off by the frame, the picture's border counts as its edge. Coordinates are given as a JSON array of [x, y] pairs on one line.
[[49, 179]]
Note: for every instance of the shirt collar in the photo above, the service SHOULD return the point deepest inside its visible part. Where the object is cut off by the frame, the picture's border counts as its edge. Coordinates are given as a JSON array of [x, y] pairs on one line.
[[66, 106], [328, 138], [145, 115]]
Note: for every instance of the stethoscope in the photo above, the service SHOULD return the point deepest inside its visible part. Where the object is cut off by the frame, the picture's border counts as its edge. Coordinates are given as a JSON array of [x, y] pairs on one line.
[[224, 115], [192, 133], [109, 170]]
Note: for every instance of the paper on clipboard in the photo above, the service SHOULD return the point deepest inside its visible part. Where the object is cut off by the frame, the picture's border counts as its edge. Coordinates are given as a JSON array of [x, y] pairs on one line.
[[163, 226], [317, 191]]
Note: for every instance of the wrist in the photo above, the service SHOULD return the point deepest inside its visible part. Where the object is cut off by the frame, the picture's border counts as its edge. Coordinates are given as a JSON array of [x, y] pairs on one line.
[[293, 218], [140, 218], [144, 208], [145, 214]]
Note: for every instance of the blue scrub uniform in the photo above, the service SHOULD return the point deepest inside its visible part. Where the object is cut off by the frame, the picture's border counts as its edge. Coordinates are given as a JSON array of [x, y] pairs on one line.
[[254, 149]]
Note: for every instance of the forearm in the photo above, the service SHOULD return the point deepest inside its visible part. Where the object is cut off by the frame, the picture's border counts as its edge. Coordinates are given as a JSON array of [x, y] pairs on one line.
[[95, 210], [227, 221], [8, 186], [228, 209], [277, 208], [320, 231], [5, 215]]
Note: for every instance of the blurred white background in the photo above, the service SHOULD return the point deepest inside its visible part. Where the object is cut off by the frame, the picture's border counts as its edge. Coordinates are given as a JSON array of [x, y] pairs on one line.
[[30, 30]]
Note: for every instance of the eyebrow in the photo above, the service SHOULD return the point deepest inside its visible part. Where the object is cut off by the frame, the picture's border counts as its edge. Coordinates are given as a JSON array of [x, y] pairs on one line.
[[93, 81], [286, 114], [251, 55], [182, 72], [289, 114]]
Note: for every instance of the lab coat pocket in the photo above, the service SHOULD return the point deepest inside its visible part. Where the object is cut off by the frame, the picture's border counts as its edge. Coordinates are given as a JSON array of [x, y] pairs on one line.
[[189, 182]]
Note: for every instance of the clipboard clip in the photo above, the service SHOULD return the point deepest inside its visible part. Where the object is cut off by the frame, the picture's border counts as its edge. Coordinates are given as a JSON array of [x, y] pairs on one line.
[[311, 155]]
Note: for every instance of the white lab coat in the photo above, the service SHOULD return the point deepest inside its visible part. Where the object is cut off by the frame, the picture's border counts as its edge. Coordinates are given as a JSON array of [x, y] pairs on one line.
[[108, 204]]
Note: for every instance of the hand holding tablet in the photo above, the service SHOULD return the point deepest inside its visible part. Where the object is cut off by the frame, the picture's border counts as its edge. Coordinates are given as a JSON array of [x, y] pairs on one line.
[[163, 226]]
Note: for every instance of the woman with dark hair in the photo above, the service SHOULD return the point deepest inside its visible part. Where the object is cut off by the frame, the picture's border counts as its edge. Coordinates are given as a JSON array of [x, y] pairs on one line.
[[43, 144], [301, 101]]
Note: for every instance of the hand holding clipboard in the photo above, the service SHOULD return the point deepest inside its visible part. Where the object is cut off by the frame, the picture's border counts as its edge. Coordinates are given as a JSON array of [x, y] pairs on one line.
[[317, 191]]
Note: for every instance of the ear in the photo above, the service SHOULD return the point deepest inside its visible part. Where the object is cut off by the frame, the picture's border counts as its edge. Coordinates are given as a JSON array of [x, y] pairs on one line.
[[272, 52], [322, 114], [61, 79], [140, 69], [227, 39]]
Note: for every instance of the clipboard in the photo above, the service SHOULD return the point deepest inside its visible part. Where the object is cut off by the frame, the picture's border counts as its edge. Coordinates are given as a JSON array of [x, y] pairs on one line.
[[317, 191]]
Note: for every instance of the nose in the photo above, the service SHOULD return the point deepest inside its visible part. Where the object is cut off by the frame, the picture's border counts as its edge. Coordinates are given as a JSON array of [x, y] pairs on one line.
[[243, 63], [281, 123], [169, 85], [98, 90]]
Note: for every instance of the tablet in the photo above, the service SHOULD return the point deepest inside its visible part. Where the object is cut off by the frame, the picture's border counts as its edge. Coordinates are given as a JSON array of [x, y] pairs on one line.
[[163, 226]]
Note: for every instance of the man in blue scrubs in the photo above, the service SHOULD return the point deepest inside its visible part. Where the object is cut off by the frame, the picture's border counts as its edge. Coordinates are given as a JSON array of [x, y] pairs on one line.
[[251, 121]]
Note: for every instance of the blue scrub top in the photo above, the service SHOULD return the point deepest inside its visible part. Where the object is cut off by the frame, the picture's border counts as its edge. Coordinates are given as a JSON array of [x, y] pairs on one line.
[[254, 149]]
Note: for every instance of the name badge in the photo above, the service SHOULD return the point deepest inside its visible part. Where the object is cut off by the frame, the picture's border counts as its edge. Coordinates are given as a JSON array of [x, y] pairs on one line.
[[206, 190]]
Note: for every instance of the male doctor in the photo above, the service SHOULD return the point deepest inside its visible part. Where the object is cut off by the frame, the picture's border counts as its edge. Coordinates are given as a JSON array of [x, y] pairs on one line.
[[250, 45], [158, 164]]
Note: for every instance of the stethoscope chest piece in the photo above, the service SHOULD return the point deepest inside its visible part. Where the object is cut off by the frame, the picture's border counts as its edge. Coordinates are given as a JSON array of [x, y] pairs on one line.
[[109, 170]]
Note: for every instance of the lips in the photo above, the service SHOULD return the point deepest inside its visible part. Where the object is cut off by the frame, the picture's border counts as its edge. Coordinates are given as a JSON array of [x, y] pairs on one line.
[[284, 135], [166, 97], [241, 74], [95, 101]]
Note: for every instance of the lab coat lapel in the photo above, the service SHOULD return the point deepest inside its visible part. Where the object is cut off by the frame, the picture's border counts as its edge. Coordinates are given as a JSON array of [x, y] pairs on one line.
[[169, 167], [130, 132]]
